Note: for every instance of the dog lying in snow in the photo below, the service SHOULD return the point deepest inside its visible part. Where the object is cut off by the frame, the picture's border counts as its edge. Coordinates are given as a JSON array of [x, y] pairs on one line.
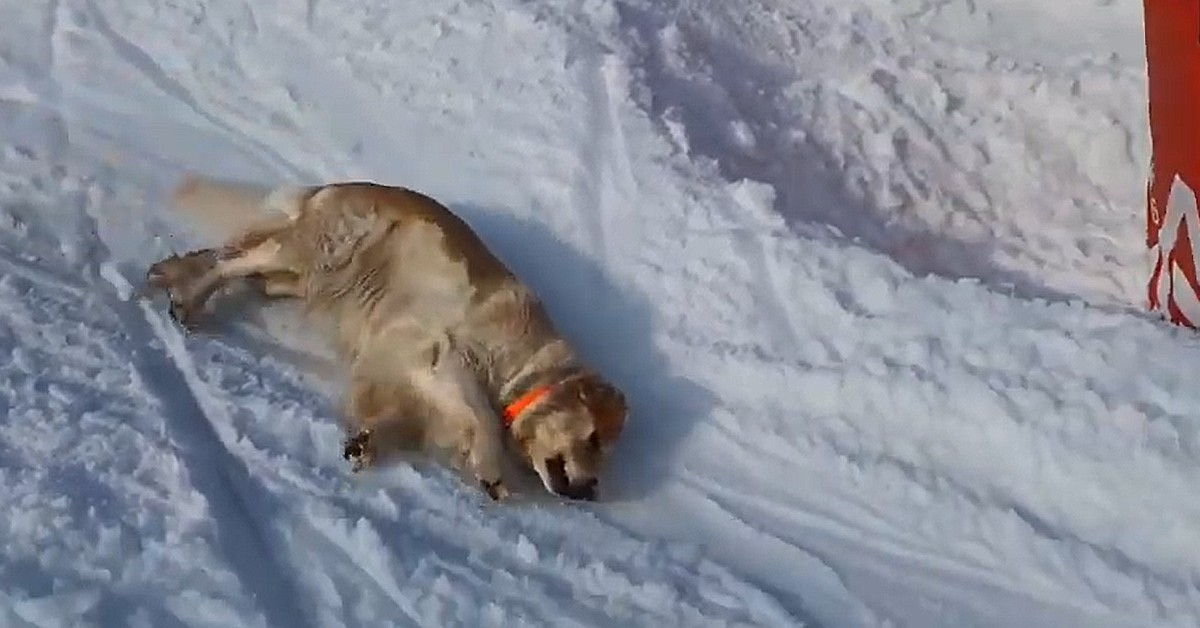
[[446, 349]]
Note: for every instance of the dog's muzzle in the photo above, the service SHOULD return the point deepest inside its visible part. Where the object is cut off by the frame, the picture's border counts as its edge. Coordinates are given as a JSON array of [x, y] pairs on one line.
[[562, 485]]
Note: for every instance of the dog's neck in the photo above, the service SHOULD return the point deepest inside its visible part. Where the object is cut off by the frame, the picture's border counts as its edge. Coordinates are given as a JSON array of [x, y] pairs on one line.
[[522, 404], [550, 364]]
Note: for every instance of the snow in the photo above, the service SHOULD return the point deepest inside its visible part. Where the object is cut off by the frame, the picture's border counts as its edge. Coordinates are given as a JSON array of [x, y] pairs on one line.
[[869, 271]]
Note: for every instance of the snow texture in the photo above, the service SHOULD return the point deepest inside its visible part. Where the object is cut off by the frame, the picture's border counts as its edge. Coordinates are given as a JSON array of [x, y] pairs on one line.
[[870, 272]]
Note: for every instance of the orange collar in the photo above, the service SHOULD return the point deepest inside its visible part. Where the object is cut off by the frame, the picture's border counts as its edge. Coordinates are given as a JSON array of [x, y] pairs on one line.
[[520, 404]]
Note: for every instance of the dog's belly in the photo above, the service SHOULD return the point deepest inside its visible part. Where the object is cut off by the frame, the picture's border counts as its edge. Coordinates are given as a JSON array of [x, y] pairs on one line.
[[426, 282], [404, 286]]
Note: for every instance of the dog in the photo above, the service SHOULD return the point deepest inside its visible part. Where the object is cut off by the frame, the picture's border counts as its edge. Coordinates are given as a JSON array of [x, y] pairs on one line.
[[446, 350]]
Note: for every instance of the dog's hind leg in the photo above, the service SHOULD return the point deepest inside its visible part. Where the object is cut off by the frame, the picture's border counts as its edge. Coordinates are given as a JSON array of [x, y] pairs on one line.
[[267, 229], [280, 284], [177, 275], [261, 260], [171, 272], [190, 279]]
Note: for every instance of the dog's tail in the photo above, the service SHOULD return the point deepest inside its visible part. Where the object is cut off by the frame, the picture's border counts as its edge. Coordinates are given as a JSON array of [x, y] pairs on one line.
[[223, 208]]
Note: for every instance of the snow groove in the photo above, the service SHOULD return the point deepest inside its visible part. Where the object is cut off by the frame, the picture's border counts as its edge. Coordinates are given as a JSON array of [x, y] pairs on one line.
[[241, 509], [145, 64], [605, 180]]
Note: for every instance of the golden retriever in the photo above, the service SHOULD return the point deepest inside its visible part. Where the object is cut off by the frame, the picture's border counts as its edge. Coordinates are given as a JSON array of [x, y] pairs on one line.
[[446, 350]]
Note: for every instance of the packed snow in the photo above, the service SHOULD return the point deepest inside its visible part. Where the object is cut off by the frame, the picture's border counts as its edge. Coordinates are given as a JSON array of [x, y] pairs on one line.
[[869, 271]]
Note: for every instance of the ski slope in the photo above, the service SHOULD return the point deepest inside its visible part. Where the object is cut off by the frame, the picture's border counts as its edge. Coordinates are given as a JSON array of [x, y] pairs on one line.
[[869, 271]]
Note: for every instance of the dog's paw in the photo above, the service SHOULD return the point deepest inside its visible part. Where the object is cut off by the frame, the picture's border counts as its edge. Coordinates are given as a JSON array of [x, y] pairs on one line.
[[183, 313], [156, 279], [495, 489], [179, 276], [180, 268], [359, 451]]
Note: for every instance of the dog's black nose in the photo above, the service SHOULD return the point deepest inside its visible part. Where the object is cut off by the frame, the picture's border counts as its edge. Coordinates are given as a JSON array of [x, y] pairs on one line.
[[561, 484], [583, 490], [556, 468]]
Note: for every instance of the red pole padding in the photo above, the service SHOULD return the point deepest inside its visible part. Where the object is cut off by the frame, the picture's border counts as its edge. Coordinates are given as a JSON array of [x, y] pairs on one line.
[[1172, 219]]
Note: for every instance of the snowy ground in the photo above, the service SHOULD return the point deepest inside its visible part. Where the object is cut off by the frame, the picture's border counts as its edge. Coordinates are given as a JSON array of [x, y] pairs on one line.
[[870, 272]]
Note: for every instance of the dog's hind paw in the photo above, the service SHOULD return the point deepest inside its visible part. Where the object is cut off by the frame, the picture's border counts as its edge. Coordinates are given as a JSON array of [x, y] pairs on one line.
[[180, 277], [184, 315]]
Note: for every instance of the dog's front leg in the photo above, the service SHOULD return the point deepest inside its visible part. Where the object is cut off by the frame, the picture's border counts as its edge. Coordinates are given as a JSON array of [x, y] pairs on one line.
[[381, 418], [462, 395], [483, 458], [359, 449], [378, 438], [465, 423], [479, 440]]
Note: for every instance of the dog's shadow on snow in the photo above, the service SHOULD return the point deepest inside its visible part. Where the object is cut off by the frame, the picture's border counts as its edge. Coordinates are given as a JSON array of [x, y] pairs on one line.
[[612, 327]]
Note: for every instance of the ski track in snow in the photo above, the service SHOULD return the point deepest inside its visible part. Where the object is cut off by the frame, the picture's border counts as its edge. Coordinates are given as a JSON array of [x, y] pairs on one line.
[[863, 268]]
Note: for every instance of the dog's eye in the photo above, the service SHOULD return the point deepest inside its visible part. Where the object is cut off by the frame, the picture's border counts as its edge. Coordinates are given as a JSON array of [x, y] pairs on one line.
[[593, 440]]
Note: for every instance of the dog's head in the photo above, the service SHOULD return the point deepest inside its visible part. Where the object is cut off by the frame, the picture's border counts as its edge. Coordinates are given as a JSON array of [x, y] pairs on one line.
[[568, 436]]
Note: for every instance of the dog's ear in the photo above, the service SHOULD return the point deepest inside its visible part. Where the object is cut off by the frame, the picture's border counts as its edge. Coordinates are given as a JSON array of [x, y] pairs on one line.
[[607, 404]]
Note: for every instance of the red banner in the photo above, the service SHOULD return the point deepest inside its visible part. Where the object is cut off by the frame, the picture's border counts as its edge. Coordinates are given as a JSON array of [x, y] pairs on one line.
[[1172, 219]]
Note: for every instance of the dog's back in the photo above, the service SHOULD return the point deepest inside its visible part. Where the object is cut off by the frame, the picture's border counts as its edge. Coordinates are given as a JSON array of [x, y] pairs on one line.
[[414, 259]]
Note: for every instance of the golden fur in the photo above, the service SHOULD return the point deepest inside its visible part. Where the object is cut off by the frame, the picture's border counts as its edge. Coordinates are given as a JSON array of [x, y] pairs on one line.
[[437, 334]]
